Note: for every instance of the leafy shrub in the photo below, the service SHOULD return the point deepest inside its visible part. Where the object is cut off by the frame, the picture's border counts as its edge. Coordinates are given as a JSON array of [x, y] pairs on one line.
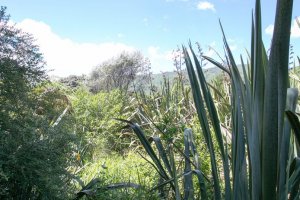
[[34, 152], [94, 121]]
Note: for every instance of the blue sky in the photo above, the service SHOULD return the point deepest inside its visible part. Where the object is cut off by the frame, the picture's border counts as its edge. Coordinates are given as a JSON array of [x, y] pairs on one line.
[[75, 35]]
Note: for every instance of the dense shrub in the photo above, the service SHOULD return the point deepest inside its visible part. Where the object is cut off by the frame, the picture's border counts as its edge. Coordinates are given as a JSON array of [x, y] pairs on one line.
[[34, 150]]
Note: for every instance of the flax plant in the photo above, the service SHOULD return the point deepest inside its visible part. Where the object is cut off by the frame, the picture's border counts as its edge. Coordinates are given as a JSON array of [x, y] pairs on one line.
[[261, 159], [261, 156]]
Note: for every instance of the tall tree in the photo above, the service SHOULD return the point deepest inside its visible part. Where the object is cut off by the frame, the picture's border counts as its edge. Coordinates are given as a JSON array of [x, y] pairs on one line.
[[33, 152], [119, 72]]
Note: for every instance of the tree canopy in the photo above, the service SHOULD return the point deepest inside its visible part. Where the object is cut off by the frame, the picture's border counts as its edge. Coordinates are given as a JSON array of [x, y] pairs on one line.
[[119, 72], [33, 152]]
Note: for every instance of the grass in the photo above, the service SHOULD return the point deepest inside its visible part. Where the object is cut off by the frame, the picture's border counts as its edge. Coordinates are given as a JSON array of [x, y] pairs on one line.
[[119, 177]]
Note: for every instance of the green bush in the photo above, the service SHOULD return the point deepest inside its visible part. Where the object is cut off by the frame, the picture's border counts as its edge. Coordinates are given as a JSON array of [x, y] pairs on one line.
[[34, 150], [94, 121]]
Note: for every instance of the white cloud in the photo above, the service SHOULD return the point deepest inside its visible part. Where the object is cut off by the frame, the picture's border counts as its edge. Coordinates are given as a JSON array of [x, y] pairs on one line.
[[160, 61], [205, 5], [230, 40], [232, 44], [233, 47], [295, 29], [67, 57], [269, 30], [210, 52]]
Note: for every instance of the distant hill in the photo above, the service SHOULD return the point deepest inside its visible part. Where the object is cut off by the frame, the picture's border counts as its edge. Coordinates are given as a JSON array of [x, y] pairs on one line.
[[209, 74], [74, 81]]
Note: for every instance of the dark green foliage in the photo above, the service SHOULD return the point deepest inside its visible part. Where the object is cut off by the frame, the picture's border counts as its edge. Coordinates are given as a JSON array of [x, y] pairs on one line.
[[91, 189], [275, 96], [20, 58], [259, 131], [165, 164], [34, 151]]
